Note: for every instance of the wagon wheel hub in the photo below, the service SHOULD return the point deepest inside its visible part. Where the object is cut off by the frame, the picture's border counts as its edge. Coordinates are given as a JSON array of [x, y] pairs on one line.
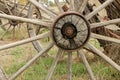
[[13, 22], [71, 31], [68, 30]]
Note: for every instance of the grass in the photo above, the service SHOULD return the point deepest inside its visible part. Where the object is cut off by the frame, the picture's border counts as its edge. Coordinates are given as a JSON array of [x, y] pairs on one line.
[[40, 68]]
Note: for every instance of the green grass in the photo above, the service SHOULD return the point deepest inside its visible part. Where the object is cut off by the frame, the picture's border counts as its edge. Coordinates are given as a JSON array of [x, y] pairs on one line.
[[40, 68], [17, 51], [7, 35], [11, 70]]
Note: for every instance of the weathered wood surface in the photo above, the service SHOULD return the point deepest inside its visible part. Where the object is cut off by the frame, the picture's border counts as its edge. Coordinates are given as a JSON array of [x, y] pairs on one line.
[[113, 10], [44, 35], [87, 66], [113, 21], [78, 4], [4, 9], [33, 21], [110, 39], [2, 74], [102, 6], [103, 56], [112, 49], [77, 38], [43, 8]]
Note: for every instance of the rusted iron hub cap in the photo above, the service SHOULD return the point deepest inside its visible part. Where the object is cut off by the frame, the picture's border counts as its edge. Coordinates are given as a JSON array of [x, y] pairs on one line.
[[68, 30], [71, 31]]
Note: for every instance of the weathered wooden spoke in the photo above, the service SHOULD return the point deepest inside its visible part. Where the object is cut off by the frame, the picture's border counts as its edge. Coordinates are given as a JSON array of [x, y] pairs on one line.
[[32, 21], [12, 8], [31, 30], [82, 7], [25, 41], [80, 52], [97, 36], [21, 11], [54, 65], [102, 55], [8, 7], [2, 74], [3, 26], [98, 9], [72, 5], [70, 66], [1, 37], [114, 21], [29, 63], [58, 5], [45, 9]]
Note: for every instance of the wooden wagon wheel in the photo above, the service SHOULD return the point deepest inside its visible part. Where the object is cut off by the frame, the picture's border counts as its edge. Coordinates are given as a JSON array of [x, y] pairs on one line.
[[70, 31], [34, 13], [16, 9]]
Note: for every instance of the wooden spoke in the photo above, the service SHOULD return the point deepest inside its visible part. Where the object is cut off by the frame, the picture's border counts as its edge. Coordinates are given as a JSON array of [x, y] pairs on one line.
[[13, 31], [102, 55], [3, 26], [54, 65], [47, 34], [15, 7], [82, 7], [46, 18], [19, 26], [32, 21], [36, 44], [114, 21], [86, 64], [70, 66], [2, 74], [72, 5], [45, 9], [22, 9], [97, 36], [30, 62], [78, 4], [34, 31], [58, 5], [1, 37], [98, 9], [8, 7]]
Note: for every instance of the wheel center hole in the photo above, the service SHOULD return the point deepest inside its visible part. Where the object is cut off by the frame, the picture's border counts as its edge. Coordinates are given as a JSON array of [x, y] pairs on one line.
[[69, 30], [13, 22]]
